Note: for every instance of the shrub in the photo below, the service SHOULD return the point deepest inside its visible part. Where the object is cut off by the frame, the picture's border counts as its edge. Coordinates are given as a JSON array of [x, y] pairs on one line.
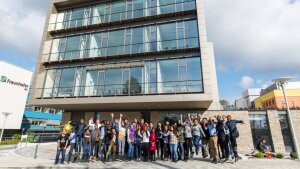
[[279, 155], [16, 136], [259, 155], [7, 142], [294, 155]]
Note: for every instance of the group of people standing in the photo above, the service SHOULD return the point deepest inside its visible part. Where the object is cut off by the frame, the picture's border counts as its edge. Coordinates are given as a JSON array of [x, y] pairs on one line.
[[140, 141]]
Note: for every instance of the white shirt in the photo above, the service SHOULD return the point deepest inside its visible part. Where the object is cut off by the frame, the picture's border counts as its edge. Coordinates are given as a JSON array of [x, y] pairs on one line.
[[145, 138]]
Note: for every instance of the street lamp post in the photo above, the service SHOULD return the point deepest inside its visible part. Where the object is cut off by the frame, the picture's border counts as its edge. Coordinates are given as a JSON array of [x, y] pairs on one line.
[[5, 114], [281, 82]]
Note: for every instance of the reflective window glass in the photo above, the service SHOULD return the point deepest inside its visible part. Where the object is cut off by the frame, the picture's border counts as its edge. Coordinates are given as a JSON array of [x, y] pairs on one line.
[[66, 82]]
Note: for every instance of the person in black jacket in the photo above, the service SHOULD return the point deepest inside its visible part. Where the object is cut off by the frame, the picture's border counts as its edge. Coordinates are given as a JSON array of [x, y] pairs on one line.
[[223, 143], [234, 134], [205, 139]]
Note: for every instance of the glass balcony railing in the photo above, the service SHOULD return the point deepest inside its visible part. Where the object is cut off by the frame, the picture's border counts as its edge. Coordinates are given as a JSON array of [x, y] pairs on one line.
[[132, 89], [123, 49], [106, 17]]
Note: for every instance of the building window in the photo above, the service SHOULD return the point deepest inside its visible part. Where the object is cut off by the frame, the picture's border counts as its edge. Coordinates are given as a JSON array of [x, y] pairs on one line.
[[260, 129], [117, 11], [158, 76], [151, 38], [286, 133]]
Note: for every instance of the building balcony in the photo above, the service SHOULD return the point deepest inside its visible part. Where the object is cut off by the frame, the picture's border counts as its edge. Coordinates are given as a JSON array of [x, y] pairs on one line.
[[183, 45], [118, 90], [161, 96], [103, 16]]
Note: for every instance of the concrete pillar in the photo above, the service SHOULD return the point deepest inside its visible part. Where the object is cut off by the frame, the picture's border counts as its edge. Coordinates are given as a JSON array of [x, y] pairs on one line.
[[276, 133], [154, 117]]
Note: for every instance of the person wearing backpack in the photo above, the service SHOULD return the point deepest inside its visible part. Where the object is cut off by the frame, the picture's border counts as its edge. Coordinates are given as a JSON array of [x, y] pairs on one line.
[[234, 134]]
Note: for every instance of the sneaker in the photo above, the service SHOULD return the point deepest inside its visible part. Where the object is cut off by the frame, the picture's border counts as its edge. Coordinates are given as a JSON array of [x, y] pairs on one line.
[[236, 159], [68, 162]]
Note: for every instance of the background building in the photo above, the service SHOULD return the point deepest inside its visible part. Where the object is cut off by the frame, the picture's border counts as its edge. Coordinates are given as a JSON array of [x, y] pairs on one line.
[[125, 56], [14, 86], [248, 97], [40, 120], [272, 97]]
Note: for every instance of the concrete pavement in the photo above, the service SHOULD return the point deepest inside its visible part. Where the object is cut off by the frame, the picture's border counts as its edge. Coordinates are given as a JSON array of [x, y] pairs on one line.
[[46, 153]]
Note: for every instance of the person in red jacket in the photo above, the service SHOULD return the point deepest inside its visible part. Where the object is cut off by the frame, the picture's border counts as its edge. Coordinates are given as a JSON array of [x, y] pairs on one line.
[[152, 144]]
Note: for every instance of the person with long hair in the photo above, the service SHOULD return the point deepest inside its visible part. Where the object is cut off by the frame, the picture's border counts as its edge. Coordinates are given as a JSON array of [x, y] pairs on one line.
[[145, 144], [165, 135], [160, 141], [173, 143], [197, 132], [180, 134], [152, 144], [187, 139], [130, 140], [138, 139], [121, 136]]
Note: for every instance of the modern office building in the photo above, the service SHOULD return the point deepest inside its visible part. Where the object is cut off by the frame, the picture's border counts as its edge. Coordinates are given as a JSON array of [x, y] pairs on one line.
[[272, 97], [248, 97], [136, 56]]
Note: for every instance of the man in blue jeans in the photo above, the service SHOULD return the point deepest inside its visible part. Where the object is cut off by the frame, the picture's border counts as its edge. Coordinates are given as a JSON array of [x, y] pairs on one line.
[[72, 139], [62, 143], [80, 133]]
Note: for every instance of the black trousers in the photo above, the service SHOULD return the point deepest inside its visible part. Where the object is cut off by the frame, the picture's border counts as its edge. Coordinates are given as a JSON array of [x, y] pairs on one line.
[[145, 147], [224, 145], [234, 144], [160, 148], [188, 147], [166, 150]]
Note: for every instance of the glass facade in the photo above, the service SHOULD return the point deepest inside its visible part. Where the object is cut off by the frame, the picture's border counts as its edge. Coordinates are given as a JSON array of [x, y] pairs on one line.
[[158, 37], [260, 129], [286, 133], [182, 75], [117, 11]]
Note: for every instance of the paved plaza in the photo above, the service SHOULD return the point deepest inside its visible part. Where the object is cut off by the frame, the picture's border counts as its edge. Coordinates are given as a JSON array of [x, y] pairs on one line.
[[24, 158]]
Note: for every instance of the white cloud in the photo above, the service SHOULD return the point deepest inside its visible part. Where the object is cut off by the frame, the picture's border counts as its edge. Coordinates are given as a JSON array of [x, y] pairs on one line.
[[246, 82], [256, 36], [22, 23]]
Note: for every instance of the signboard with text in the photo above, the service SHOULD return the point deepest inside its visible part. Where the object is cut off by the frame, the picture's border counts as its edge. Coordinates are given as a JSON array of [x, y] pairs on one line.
[[14, 87]]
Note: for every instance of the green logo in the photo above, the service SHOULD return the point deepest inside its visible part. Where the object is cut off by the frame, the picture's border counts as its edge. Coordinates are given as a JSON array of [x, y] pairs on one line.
[[3, 79]]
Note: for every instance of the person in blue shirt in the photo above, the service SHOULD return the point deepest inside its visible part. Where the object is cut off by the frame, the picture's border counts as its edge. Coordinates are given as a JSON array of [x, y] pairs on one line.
[[213, 140], [115, 123], [80, 133], [73, 147], [101, 148]]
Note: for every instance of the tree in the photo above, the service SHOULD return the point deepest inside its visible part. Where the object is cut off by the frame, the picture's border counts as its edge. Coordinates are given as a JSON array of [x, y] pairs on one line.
[[224, 102]]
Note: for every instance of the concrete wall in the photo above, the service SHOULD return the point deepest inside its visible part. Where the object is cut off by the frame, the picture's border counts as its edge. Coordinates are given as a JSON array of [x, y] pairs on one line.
[[275, 130], [295, 114]]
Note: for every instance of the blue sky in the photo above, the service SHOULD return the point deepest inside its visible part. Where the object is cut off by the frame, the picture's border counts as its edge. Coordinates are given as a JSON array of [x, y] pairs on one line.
[[254, 41]]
